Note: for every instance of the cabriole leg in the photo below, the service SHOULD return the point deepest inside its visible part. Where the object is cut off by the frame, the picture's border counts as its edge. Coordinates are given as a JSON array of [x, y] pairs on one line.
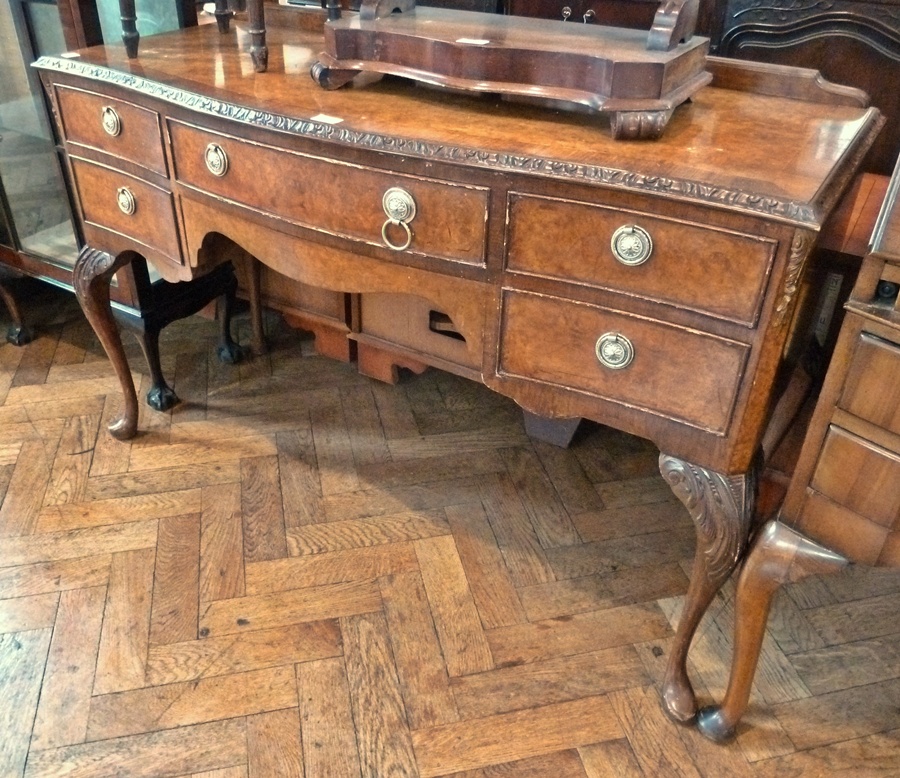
[[92, 274], [779, 555], [722, 509]]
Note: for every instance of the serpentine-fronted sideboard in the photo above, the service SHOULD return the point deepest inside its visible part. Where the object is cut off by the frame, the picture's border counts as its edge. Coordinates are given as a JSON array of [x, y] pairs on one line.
[[646, 285]]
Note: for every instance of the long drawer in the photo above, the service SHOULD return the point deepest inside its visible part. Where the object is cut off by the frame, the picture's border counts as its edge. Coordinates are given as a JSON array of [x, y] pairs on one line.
[[449, 220], [115, 127], [672, 372], [714, 271], [120, 203]]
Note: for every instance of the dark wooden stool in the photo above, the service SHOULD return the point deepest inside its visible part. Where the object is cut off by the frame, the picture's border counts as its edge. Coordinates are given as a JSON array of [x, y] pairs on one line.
[[843, 502]]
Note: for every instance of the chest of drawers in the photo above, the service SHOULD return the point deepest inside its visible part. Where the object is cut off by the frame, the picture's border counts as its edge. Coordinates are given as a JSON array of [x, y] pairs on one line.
[[645, 285]]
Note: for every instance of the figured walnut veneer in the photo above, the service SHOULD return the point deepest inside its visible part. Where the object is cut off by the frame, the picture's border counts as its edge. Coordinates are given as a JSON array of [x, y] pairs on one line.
[[517, 209]]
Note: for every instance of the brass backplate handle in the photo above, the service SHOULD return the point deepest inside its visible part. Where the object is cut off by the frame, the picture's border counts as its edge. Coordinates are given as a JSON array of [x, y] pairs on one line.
[[216, 160], [126, 200], [614, 350], [109, 118], [631, 245]]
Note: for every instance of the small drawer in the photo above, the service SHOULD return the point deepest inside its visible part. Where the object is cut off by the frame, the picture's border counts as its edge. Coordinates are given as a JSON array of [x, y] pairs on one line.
[[872, 389], [439, 219], [713, 271], [860, 476], [114, 201], [671, 371], [121, 129]]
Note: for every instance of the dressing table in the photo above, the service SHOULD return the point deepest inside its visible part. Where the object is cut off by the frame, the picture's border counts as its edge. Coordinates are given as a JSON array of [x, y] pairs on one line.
[[647, 285]]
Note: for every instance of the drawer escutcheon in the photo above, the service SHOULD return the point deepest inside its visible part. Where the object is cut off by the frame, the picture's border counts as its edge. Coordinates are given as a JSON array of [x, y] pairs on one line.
[[126, 200], [109, 118], [614, 350], [216, 160], [631, 245]]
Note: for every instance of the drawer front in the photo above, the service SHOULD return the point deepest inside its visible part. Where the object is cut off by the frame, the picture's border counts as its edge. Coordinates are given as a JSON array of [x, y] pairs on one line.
[[872, 389], [107, 195], [450, 221], [675, 373], [713, 271], [860, 476], [118, 128]]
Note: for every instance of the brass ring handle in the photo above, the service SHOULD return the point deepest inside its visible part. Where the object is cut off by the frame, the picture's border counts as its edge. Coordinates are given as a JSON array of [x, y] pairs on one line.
[[387, 240], [126, 200], [109, 119], [614, 350], [631, 245], [400, 208], [216, 160]]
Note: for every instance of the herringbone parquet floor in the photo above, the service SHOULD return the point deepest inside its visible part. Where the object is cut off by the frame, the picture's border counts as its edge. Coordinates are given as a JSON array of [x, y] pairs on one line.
[[302, 572]]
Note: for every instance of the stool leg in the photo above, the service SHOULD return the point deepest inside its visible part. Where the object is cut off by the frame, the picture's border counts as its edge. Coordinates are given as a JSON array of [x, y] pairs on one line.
[[161, 396], [17, 334], [254, 281], [228, 351], [779, 555], [259, 52]]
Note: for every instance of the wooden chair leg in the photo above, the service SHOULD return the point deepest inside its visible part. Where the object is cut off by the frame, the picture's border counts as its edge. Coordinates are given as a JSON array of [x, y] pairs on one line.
[[17, 334], [779, 555], [254, 283], [259, 52]]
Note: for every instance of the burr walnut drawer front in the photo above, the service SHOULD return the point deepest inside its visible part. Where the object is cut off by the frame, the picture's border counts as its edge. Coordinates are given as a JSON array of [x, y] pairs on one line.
[[120, 203], [710, 270], [116, 127], [642, 363], [404, 213], [872, 388]]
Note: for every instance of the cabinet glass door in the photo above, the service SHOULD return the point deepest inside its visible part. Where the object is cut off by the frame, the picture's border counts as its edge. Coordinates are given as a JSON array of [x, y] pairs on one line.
[[36, 195]]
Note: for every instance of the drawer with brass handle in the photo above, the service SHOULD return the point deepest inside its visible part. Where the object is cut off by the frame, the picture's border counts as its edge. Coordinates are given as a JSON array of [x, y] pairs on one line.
[[397, 212], [114, 202], [670, 371], [115, 127], [713, 271]]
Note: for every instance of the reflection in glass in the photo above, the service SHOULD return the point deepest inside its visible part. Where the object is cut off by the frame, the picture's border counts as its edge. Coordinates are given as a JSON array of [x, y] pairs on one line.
[[29, 166], [153, 17]]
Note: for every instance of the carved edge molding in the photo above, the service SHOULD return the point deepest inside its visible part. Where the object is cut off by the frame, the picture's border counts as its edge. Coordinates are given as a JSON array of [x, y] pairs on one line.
[[787, 210], [721, 507], [800, 248]]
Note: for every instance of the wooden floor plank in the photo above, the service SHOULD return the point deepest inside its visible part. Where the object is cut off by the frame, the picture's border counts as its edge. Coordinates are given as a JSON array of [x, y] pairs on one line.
[[261, 510], [561, 764], [174, 612], [326, 722], [122, 658], [383, 736], [25, 494], [267, 611], [356, 533], [183, 704], [560, 679], [355, 564], [221, 544], [301, 491], [23, 614], [49, 547], [577, 634], [68, 480], [22, 658], [478, 743], [180, 751], [58, 518], [456, 619], [62, 715], [229, 654], [273, 744], [424, 682]]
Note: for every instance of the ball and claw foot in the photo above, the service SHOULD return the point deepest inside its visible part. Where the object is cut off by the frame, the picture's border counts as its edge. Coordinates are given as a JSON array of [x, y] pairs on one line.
[[712, 725], [19, 336], [162, 398], [231, 353]]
